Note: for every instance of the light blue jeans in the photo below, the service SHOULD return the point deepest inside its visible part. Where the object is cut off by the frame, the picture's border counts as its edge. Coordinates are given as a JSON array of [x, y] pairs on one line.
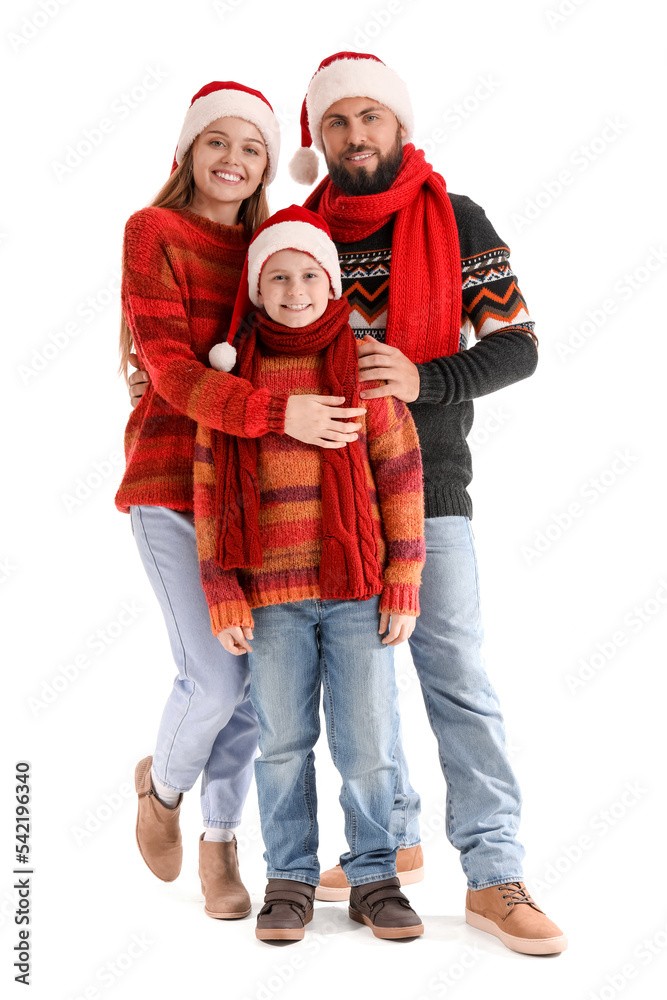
[[208, 726], [483, 797], [299, 650]]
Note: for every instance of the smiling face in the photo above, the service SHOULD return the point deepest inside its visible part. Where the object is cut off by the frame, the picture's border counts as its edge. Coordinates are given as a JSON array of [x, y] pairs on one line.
[[293, 288], [363, 145], [229, 159]]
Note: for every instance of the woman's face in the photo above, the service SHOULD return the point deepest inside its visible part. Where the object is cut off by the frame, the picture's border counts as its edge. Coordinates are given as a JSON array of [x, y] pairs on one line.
[[229, 159]]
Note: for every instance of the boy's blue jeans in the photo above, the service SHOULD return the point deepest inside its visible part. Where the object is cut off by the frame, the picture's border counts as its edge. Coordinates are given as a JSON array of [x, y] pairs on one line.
[[298, 650]]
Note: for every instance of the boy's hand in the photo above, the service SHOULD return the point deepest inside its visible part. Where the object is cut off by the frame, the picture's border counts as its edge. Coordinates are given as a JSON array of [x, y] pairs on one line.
[[320, 420], [402, 627], [380, 361], [235, 639], [138, 382]]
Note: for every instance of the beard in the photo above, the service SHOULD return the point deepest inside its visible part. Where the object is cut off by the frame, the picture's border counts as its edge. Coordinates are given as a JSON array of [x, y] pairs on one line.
[[361, 181]]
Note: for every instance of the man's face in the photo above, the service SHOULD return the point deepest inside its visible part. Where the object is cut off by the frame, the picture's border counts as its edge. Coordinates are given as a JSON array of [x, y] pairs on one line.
[[363, 145]]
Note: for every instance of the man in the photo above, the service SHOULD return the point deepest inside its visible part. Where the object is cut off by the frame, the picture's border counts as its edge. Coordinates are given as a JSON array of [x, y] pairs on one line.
[[421, 269]]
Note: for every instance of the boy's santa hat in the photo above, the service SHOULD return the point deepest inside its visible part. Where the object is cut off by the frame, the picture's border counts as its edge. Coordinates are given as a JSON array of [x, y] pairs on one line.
[[346, 74], [226, 99], [293, 228]]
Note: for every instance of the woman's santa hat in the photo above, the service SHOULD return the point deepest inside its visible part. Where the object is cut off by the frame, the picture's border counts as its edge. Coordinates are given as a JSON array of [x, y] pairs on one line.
[[226, 99], [346, 74], [293, 228]]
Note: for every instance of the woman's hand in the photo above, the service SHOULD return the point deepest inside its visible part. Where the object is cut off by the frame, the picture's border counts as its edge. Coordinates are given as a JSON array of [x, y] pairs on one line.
[[402, 627], [235, 639], [319, 420], [138, 382]]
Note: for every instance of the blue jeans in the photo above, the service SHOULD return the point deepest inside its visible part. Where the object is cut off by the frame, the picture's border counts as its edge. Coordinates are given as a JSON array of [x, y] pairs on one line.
[[208, 726], [298, 650], [483, 797]]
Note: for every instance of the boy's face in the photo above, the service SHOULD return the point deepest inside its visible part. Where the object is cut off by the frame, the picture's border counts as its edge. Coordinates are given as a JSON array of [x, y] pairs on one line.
[[293, 288]]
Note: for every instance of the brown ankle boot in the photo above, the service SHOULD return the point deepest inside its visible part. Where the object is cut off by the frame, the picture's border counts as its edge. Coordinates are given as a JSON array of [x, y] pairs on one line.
[[158, 832], [288, 907], [409, 869], [225, 894], [383, 907]]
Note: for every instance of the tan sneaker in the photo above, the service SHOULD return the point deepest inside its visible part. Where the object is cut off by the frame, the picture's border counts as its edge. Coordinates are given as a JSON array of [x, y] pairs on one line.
[[511, 914], [225, 894], [409, 868], [158, 831]]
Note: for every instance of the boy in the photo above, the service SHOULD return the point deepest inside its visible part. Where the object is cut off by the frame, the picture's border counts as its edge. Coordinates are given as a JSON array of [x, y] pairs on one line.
[[326, 546]]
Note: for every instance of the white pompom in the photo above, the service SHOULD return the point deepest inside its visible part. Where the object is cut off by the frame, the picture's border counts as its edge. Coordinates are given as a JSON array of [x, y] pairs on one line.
[[304, 166], [222, 356]]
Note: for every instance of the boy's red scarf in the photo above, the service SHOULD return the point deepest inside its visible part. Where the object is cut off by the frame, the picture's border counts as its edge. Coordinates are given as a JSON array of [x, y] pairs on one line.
[[349, 566], [424, 314]]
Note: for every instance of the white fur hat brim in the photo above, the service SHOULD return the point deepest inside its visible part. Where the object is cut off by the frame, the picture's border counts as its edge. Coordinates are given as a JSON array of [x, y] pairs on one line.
[[357, 78], [292, 236], [232, 104]]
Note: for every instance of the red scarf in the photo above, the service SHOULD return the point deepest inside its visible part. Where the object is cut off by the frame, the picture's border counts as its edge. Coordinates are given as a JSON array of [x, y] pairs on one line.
[[349, 566], [424, 315]]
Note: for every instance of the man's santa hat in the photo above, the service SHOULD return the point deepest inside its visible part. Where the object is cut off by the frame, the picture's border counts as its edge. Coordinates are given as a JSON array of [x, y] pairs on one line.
[[346, 74], [293, 228], [226, 99]]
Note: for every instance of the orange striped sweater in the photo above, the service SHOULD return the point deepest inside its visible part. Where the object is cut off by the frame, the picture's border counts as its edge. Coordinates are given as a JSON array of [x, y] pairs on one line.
[[290, 521], [181, 273]]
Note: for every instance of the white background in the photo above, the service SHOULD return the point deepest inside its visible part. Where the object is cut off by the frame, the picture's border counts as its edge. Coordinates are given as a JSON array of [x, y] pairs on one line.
[[536, 89]]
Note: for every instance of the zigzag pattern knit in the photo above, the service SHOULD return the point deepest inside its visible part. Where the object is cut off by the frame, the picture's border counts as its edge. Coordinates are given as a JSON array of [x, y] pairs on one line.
[[290, 515], [181, 273]]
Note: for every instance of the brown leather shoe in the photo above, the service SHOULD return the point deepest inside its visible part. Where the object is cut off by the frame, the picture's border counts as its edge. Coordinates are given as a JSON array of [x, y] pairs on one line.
[[158, 832], [225, 894], [409, 868], [510, 913], [288, 907], [383, 907]]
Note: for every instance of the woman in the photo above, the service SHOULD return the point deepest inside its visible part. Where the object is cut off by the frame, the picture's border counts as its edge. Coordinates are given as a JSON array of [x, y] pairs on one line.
[[182, 264]]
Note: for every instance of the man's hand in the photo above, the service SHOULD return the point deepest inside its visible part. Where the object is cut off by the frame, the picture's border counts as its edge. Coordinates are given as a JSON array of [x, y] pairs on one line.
[[379, 361], [138, 382], [402, 627], [320, 420], [235, 639]]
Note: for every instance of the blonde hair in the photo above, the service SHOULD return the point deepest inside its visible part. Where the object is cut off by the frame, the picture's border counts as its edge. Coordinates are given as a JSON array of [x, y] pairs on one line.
[[178, 192]]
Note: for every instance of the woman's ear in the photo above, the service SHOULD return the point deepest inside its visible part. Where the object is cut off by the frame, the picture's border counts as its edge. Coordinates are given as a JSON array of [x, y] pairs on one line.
[[331, 292]]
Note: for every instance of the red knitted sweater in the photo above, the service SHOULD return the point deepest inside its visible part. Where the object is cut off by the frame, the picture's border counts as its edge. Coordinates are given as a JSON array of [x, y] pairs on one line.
[[181, 273], [290, 512]]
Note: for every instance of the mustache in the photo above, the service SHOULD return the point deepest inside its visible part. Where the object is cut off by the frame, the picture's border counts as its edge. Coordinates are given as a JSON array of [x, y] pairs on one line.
[[359, 149]]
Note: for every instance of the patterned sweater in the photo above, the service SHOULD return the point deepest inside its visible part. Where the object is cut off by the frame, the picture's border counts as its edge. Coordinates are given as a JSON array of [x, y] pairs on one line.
[[181, 273], [290, 517], [493, 307]]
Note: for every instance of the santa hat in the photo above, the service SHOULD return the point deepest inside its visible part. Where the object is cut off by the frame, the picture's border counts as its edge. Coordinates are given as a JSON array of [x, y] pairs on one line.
[[293, 228], [230, 100], [346, 74]]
